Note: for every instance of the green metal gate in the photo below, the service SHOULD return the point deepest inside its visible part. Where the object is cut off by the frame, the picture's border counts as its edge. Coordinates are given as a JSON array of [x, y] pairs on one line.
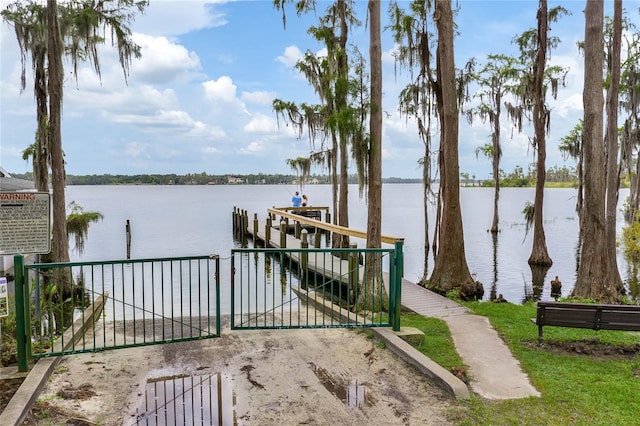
[[275, 288], [117, 304]]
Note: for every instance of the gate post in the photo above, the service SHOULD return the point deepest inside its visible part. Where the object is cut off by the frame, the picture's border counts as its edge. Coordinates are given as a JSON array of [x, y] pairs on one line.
[[396, 284], [21, 312]]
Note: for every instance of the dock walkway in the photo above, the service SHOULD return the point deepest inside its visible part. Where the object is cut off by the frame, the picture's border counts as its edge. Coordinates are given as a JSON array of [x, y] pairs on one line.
[[494, 372]]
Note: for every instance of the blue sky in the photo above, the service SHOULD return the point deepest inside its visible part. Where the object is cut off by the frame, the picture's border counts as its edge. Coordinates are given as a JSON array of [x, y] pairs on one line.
[[199, 99]]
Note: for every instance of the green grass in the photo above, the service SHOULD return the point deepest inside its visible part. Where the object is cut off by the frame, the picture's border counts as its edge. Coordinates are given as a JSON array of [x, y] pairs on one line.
[[437, 345], [576, 389]]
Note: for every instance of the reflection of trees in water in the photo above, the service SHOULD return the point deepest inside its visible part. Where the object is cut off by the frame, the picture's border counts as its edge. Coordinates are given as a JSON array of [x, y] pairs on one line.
[[538, 275], [632, 259], [494, 285], [633, 278], [578, 250]]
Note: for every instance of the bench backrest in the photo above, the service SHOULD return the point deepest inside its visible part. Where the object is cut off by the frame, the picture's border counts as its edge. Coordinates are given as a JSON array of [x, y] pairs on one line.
[[583, 315]]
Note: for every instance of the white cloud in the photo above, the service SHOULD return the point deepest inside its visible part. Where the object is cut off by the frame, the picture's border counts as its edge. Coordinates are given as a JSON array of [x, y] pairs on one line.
[[221, 89], [261, 123], [210, 150], [136, 149], [291, 56], [254, 147], [170, 17], [162, 61], [258, 97]]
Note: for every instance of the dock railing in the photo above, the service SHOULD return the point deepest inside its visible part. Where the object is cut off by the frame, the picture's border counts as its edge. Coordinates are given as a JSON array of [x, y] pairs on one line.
[[275, 233], [283, 212], [310, 288]]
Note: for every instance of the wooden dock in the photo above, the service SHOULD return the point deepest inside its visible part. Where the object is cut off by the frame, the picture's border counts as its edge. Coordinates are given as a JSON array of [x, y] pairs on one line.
[[294, 228], [413, 297]]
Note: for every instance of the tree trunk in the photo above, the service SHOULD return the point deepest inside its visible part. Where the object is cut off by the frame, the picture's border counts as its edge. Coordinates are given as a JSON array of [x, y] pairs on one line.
[[493, 293], [613, 176], [426, 176], [594, 278], [539, 254], [450, 268], [333, 167], [60, 239], [374, 296], [341, 105], [497, 155], [41, 151], [438, 222], [343, 196]]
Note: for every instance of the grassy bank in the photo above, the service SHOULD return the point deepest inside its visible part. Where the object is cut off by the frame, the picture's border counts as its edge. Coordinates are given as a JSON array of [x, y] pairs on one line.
[[584, 376]]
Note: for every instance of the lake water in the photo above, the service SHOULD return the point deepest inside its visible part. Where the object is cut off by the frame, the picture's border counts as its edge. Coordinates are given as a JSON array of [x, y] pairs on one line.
[[196, 220]]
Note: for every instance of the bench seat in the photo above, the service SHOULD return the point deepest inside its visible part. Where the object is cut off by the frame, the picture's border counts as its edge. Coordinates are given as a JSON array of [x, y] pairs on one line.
[[585, 315], [313, 214]]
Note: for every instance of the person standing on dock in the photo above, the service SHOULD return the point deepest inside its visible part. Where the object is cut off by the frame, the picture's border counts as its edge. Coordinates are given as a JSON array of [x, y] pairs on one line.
[[296, 200], [305, 200]]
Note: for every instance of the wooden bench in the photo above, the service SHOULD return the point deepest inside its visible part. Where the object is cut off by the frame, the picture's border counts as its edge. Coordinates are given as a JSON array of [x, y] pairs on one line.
[[313, 214], [585, 315]]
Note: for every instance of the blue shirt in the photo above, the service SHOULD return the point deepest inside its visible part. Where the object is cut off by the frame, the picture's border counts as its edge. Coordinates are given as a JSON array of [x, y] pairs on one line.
[[296, 200]]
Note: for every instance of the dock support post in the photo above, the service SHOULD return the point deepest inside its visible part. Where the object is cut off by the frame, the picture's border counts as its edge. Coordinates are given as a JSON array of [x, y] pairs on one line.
[[283, 234], [234, 227], [267, 232], [127, 230], [304, 257], [297, 229], [255, 228], [316, 238], [245, 227], [353, 273]]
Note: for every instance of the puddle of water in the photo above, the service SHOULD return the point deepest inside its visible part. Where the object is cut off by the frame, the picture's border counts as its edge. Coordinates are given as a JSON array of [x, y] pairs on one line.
[[357, 395], [188, 400], [351, 393]]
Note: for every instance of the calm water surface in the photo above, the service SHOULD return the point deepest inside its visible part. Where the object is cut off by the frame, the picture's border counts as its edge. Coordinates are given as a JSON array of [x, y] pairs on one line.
[[196, 220]]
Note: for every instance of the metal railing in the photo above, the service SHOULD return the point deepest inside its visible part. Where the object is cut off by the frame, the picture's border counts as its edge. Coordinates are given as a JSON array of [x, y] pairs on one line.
[[315, 288], [93, 306]]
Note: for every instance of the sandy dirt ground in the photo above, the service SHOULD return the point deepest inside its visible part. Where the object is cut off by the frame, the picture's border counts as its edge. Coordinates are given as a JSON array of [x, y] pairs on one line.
[[256, 377]]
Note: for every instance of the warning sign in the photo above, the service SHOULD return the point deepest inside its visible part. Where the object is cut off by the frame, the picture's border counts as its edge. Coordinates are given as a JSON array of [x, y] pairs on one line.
[[25, 222]]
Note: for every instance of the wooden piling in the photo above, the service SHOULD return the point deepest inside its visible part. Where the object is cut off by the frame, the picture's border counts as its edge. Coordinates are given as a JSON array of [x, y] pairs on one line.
[[267, 232], [127, 228], [353, 273], [296, 230], [283, 234], [245, 227], [304, 258], [255, 228]]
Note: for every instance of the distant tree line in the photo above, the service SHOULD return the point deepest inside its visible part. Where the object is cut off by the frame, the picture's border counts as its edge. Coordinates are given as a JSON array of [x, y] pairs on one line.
[[203, 179]]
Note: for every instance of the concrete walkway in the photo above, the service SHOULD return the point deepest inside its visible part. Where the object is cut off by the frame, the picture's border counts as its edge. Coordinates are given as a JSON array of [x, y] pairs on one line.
[[493, 370]]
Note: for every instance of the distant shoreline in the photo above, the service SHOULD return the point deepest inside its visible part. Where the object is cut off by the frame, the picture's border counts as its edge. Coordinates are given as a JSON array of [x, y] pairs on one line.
[[273, 179], [206, 179]]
